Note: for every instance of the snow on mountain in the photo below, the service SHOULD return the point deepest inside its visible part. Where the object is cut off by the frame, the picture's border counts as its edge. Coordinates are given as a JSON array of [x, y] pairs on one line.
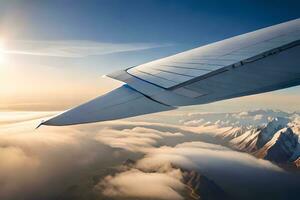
[[281, 147], [246, 141], [232, 133], [297, 162], [268, 134]]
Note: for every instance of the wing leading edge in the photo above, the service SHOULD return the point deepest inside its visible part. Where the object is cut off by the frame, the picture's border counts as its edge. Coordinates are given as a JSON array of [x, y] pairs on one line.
[[256, 62]]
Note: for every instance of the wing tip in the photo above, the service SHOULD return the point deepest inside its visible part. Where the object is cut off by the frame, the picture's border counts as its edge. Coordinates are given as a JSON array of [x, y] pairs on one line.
[[40, 124]]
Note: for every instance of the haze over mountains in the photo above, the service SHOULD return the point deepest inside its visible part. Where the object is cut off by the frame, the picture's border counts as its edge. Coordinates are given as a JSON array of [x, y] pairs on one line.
[[190, 156]]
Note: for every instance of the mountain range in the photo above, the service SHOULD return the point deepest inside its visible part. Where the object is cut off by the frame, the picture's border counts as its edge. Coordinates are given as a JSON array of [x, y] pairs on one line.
[[268, 134]]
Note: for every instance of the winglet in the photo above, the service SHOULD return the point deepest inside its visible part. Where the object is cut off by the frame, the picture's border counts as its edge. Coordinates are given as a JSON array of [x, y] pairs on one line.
[[42, 122]]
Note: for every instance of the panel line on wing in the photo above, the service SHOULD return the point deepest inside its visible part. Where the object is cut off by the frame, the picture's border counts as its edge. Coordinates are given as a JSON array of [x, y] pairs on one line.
[[260, 42], [155, 75], [200, 69], [173, 72], [199, 78], [147, 96], [209, 59], [144, 80], [193, 63]]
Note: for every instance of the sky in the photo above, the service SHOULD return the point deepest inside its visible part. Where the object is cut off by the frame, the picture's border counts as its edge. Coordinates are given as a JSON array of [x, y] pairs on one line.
[[53, 54]]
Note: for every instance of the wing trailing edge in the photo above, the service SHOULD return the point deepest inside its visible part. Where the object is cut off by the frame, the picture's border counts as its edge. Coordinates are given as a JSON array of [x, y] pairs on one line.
[[120, 103]]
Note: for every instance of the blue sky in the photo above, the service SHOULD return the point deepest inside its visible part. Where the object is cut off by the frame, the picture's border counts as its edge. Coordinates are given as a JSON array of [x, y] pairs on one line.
[[50, 44], [187, 22]]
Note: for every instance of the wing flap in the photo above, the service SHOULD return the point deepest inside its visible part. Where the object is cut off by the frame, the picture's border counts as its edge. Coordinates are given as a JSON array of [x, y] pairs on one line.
[[120, 103]]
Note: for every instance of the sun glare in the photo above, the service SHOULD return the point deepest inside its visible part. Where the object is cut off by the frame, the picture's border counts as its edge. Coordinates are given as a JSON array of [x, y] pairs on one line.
[[1, 52]]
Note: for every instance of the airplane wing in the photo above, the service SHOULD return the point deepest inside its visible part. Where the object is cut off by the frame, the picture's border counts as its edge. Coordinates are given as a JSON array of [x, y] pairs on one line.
[[260, 61]]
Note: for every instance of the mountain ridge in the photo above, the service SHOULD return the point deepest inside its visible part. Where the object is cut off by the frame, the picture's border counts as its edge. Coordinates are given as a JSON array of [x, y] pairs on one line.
[[267, 134]]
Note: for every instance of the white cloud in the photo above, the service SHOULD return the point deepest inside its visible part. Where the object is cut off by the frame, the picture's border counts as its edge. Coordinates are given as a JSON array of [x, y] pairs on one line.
[[43, 161], [13, 117], [230, 169], [137, 139], [72, 48], [196, 122], [137, 184], [36, 164], [205, 157], [258, 117]]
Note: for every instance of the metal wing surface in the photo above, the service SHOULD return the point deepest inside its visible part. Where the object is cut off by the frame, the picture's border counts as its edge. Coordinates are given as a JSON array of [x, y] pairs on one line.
[[264, 60]]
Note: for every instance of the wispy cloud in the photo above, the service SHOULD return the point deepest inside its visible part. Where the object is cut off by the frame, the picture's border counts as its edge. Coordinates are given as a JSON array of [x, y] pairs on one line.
[[72, 48]]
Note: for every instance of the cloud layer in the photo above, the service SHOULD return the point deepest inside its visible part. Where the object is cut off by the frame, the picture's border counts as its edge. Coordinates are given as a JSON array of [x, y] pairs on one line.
[[80, 161], [44, 163]]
